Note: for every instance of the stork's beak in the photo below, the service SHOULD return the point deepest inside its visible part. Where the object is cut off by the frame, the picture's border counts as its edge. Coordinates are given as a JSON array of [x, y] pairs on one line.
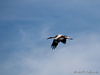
[[69, 38]]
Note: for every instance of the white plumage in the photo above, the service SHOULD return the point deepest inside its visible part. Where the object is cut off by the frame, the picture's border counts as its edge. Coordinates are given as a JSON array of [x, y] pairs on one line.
[[59, 35]]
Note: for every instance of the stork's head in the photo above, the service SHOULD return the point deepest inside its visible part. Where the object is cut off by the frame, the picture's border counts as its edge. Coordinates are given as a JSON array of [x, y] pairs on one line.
[[68, 38]]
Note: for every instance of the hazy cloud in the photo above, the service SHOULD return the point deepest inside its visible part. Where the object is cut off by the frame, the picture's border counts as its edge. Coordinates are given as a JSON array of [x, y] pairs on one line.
[[76, 55], [25, 25]]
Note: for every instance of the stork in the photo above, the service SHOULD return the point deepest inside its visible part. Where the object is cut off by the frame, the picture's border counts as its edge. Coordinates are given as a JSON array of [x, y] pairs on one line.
[[58, 38]]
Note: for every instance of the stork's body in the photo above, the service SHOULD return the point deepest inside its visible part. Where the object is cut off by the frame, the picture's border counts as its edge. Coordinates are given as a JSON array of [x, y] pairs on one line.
[[58, 38]]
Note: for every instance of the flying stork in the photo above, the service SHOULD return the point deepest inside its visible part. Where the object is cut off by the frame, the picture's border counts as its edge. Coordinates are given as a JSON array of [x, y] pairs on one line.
[[58, 38]]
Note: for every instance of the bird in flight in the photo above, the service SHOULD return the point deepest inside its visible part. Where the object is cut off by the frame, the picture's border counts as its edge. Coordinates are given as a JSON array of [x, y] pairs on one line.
[[58, 38]]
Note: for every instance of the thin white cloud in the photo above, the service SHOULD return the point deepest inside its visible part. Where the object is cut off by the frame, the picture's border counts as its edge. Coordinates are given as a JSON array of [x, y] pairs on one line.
[[64, 60]]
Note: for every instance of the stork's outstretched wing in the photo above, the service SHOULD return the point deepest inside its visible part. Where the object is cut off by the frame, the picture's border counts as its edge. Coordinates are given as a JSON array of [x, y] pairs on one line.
[[63, 41], [54, 44]]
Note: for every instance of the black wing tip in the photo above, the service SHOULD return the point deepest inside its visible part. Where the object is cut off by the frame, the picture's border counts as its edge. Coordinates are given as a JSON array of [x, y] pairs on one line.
[[53, 47], [64, 43]]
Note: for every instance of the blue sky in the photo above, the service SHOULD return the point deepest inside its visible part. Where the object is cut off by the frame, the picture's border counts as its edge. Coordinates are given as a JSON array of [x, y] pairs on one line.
[[26, 24]]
